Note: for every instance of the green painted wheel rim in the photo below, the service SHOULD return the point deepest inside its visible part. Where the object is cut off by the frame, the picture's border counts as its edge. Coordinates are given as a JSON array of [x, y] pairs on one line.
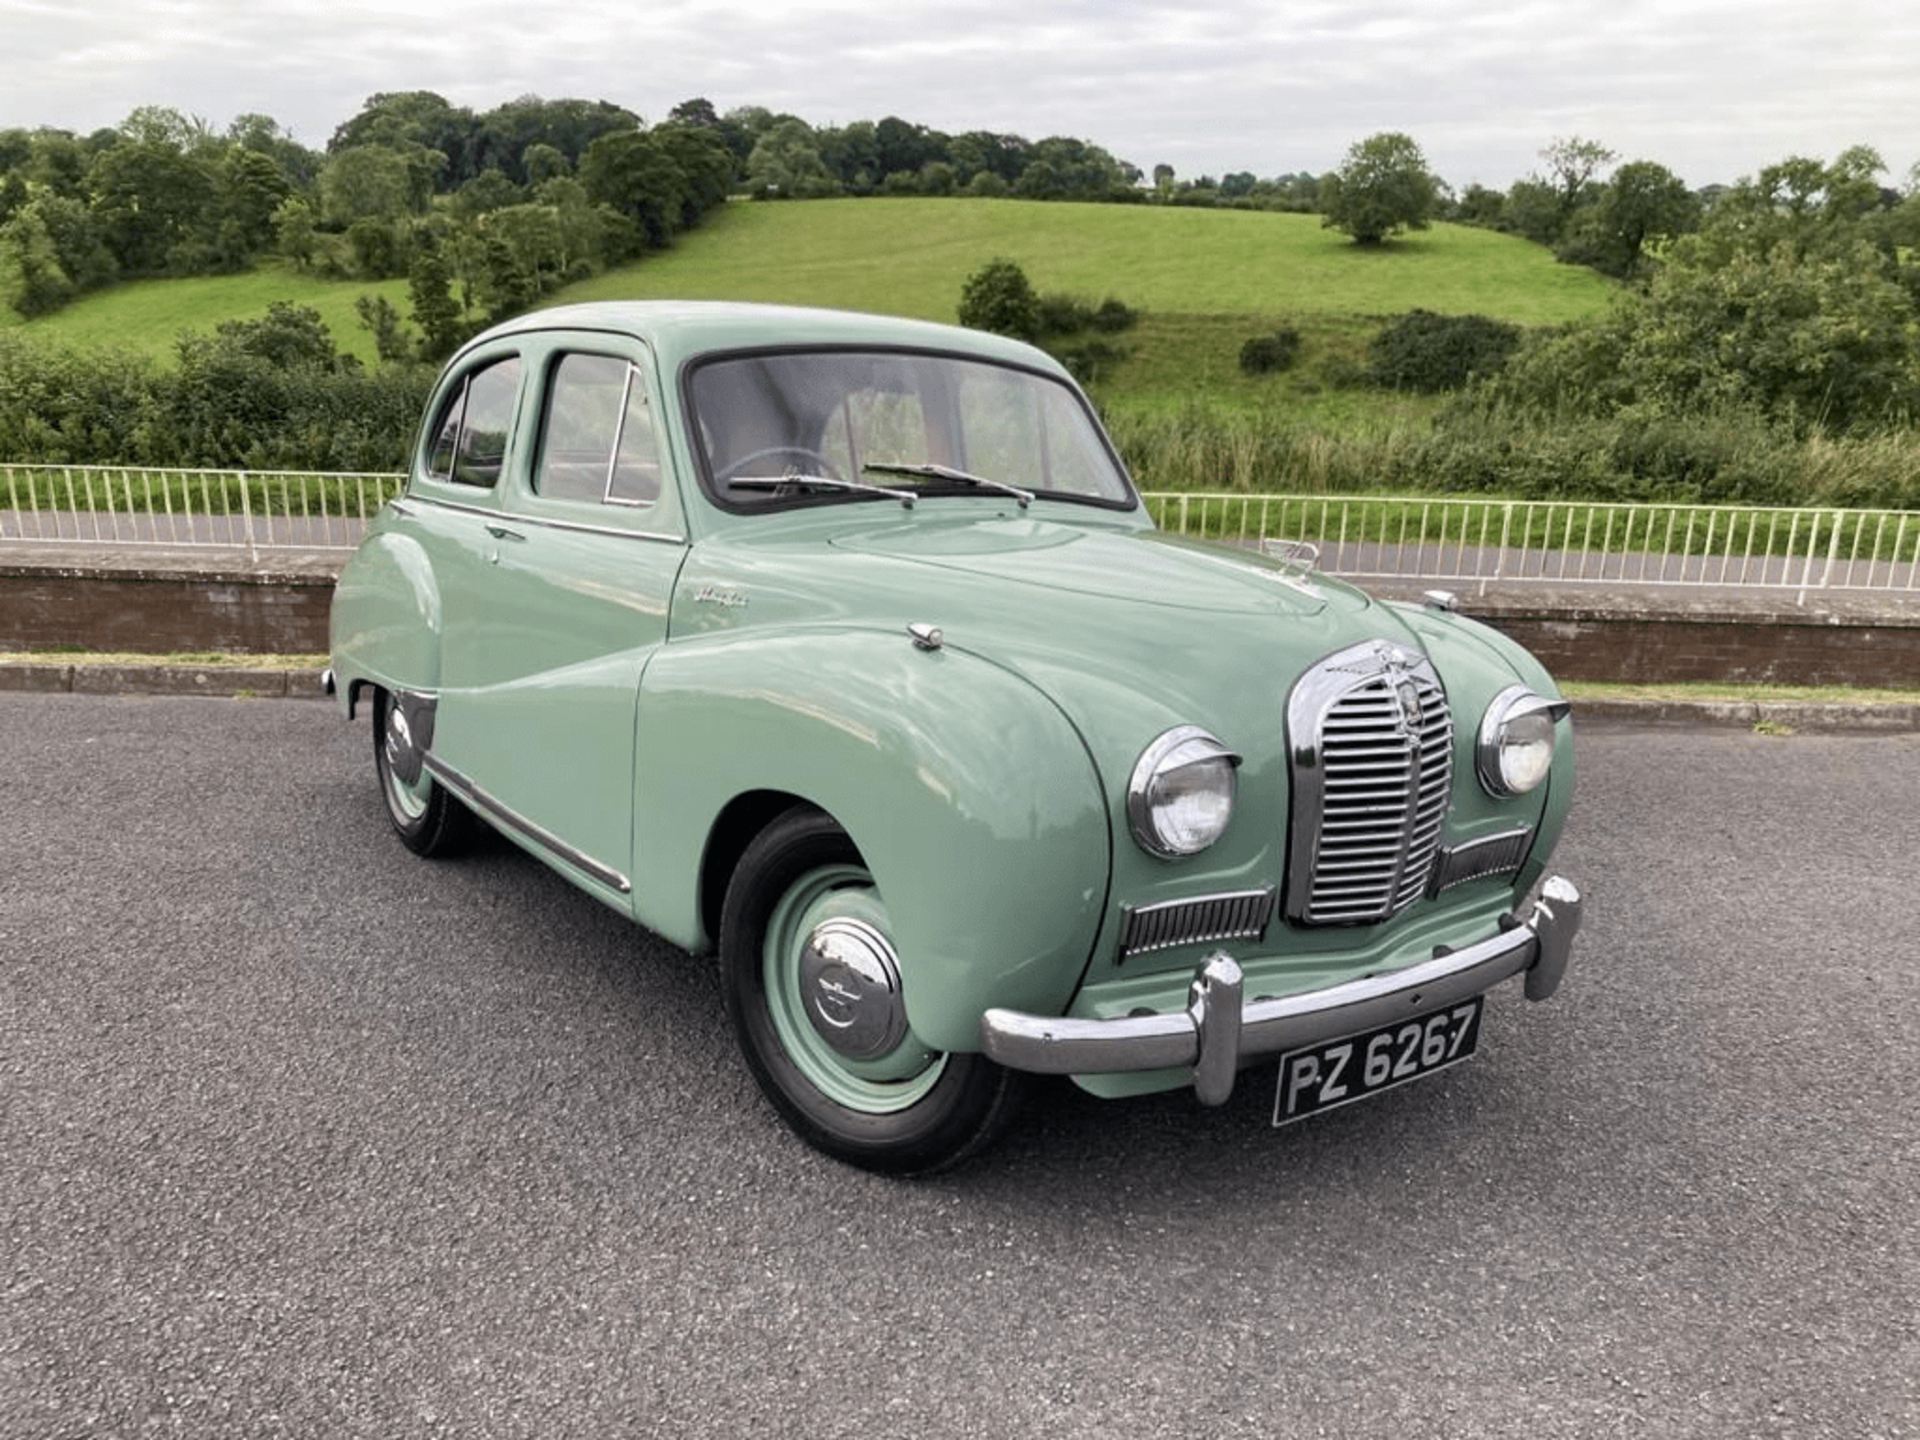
[[881, 1086]]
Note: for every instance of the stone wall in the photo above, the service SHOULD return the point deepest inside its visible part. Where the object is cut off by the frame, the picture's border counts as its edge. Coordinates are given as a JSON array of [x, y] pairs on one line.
[[100, 603]]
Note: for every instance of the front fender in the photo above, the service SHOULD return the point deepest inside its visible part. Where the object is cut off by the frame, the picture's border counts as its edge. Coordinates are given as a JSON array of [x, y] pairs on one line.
[[968, 793], [385, 624]]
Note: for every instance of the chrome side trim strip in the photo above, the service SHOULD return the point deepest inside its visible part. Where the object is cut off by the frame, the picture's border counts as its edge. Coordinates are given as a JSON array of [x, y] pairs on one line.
[[495, 811], [547, 522]]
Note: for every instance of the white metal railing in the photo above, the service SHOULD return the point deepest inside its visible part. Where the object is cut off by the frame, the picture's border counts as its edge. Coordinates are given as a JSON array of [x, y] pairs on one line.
[[140, 506], [1481, 542], [1452, 540]]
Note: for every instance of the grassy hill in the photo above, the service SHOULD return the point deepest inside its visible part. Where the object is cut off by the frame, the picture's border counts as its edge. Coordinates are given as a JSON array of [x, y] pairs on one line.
[[148, 315], [1206, 280], [910, 257]]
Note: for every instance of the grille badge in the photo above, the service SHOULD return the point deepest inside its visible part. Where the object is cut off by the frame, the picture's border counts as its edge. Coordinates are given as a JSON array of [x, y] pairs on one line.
[[1409, 694]]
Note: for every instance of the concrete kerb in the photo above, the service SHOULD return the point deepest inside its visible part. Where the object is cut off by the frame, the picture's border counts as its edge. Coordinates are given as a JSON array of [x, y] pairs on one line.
[[83, 677], [1559, 623]]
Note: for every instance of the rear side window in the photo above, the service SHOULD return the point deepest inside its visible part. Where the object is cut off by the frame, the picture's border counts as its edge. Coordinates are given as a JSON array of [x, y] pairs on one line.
[[596, 438], [470, 437]]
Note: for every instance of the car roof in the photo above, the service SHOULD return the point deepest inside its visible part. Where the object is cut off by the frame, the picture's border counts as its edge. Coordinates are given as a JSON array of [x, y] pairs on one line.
[[681, 330]]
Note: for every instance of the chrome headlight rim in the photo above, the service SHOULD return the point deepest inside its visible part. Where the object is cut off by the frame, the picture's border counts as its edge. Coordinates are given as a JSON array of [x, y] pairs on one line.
[[1506, 769], [1184, 747]]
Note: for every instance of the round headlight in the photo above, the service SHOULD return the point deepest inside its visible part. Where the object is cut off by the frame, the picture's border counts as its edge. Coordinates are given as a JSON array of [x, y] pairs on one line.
[[1181, 795], [1516, 741]]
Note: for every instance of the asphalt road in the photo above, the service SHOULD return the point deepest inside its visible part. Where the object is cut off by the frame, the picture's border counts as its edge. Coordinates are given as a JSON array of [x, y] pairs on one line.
[[301, 1136]]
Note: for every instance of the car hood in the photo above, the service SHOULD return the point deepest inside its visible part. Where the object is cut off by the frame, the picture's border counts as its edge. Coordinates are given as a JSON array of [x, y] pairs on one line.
[[1128, 630], [1144, 566]]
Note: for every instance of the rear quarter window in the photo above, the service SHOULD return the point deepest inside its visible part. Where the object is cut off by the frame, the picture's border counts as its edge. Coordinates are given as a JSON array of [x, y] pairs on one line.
[[470, 434]]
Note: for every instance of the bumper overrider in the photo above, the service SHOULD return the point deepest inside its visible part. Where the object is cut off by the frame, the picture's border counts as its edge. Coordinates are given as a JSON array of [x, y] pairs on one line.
[[1219, 1032]]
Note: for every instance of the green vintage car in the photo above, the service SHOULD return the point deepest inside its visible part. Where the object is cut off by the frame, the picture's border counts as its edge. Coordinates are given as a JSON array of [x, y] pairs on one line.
[[843, 648]]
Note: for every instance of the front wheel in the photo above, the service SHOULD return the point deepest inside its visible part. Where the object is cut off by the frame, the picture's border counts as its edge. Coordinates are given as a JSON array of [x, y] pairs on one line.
[[428, 820], [813, 990]]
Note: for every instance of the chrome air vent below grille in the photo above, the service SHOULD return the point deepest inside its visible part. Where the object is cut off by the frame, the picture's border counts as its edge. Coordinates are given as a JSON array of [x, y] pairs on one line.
[[1370, 741], [1207, 918]]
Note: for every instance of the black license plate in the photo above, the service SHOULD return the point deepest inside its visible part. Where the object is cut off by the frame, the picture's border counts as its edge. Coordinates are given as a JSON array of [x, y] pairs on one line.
[[1339, 1072]]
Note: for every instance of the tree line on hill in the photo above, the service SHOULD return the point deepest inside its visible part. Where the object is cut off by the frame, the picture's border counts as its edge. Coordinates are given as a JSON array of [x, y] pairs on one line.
[[1784, 307], [484, 213]]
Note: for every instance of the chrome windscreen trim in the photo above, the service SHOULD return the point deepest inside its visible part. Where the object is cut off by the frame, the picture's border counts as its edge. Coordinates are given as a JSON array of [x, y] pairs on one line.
[[500, 814], [1204, 919]]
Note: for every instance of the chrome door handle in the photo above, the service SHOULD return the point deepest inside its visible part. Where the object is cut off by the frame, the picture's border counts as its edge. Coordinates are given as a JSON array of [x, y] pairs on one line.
[[501, 532]]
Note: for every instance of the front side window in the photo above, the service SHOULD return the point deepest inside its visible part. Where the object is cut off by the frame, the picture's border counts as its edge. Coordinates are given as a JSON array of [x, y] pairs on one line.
[[834, 423], [597, 439], [469, 444]]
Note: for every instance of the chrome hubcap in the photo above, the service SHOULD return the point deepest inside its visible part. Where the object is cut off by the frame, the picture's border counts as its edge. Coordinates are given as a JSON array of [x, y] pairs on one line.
[[850, 983]]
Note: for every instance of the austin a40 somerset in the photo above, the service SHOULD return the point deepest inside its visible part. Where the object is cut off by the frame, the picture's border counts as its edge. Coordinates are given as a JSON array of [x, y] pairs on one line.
[[842, 648]]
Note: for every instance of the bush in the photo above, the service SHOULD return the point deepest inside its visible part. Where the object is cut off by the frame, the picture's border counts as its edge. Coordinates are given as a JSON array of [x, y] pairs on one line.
[[254, 394], [1264, 354], [1060, 314], [1113, 316], [999, 297], [1429, 353], [1089, 359]]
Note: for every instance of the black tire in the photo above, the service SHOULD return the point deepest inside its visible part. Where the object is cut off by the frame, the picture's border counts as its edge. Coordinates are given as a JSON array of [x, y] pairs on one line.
[[907, 1111], [428, 820]]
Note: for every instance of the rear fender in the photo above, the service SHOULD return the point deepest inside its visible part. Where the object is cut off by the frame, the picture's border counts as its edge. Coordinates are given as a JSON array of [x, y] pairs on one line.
[[385, 625]]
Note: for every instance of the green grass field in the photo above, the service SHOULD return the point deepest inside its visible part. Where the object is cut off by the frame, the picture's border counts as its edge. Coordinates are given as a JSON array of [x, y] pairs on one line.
[[911, 256], [148, 316], [1206, 280]]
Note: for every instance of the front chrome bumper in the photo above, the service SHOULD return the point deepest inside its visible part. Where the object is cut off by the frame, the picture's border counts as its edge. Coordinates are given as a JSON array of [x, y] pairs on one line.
[[1218, 1032]]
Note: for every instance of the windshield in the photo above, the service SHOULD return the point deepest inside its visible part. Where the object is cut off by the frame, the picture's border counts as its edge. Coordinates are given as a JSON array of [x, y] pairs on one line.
[[841, 424]]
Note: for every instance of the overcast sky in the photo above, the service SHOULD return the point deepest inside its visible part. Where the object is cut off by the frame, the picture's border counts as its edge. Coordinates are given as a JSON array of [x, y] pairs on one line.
[[1713, 89]]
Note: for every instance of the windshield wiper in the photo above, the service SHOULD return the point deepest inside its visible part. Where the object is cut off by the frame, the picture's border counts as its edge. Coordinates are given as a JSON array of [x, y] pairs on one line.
[[946, 472], [794, 479]]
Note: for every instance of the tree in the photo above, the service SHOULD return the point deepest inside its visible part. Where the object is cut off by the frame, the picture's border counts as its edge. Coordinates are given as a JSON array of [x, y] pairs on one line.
[[634, 174], [1532, 209], [252, 189], [369, 182], [1478, 205], [76, 239], [436, 314], [1572, 164], [390, 342], [293, 231], [1781, 307], [786, 164], [488, 191], [1383, 187], [151, 200], [31, 280], [999, 297], [851, 154], [1820, 339], [1643, 203], [262, 135], [1063, 168]]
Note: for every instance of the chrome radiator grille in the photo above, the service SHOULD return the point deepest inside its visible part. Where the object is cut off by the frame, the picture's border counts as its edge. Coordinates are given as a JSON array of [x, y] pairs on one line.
[[1371, 745]]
